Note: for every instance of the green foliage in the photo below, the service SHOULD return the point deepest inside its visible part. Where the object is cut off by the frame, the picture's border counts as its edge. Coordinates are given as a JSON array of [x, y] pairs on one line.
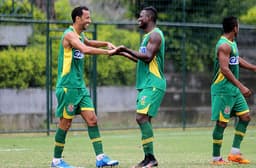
[[11, 8], [24, 67], [116, 70], [63, 9], [196, 44], [21, 68], [250, 16]]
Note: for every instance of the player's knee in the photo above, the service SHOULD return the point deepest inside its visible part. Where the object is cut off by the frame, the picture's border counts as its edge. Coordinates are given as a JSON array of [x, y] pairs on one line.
[[222, 124], [141, 118], [68, 126], [245, 118], [92, 121], [65, 124]]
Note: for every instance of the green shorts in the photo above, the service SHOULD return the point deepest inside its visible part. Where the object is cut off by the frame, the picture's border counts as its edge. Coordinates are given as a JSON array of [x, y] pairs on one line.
[[149, 100], [226, 106], [72, 101]]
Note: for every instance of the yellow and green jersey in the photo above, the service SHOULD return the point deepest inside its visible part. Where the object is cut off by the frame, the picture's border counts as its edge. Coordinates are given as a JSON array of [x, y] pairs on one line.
[[220, 83], [151, 74], [70, 64]]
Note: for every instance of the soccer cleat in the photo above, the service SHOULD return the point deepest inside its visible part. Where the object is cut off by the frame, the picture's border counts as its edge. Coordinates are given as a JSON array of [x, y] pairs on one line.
[[61, 164], [142, 163], [148, 162], [238, 158], [220, 162], [106, 161], [152, 163]]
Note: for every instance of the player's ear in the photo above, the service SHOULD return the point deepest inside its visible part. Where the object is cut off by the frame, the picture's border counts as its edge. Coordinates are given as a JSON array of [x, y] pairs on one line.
[[78, 18]]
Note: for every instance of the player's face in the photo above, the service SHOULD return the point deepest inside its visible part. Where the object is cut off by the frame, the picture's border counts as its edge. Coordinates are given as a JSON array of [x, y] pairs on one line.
[[85, 19], [143, 19]]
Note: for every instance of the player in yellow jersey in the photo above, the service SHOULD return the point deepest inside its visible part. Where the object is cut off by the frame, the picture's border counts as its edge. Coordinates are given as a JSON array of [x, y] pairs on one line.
[[71, 92], [228, 93]]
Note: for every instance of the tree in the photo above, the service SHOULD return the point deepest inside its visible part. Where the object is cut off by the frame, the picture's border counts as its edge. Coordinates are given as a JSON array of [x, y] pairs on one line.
[[42, 4], [199, 40], [250, 16]]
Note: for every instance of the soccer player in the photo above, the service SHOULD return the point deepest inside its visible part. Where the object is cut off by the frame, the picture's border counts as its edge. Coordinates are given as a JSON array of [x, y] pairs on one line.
[[228, 93], [150, 80], [72, 94]]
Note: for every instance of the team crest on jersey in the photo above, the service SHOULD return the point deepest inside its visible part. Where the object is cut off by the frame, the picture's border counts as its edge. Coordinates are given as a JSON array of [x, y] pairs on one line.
[[143, 49], [234, 60], [227, 110], [70, 107], [78, 54]]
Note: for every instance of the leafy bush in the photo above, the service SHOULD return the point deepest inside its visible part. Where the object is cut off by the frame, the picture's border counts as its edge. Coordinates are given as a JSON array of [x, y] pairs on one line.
[[117, 70], [19, 70], [8, 7], [250, 16]]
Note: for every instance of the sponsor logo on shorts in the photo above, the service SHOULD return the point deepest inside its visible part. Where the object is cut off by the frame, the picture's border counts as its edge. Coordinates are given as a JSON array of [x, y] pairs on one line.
[[227, 110], [78, 54]]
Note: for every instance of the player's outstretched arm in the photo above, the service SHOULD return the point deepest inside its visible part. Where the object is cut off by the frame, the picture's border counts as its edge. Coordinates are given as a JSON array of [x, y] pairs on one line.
[[97, 44], [246, 65], [72, 41], [150, 50], [129, 56]]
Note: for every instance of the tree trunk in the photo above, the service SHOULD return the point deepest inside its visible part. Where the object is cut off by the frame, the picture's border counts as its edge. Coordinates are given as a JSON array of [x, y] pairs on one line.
[[42, 4]]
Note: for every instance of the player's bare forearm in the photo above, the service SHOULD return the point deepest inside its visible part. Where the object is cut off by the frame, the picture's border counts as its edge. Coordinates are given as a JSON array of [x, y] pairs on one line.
[[97, 44], [246, 65], [129, 56], [135, 54], [229, 75]]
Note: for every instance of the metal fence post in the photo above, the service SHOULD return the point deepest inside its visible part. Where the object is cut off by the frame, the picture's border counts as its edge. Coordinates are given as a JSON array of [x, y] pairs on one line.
[[94, 72], [184, 69], [48, 69]]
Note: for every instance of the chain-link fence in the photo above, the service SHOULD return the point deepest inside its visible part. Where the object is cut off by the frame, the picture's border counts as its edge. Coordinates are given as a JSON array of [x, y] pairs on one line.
[[191, 29]]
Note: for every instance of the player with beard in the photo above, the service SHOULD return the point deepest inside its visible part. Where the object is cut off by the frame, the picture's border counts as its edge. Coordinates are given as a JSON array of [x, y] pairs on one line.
[[71, 92]]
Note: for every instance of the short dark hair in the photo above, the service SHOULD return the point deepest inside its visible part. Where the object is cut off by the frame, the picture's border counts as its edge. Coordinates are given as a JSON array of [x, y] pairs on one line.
[[229, 23], [152, 12], [78, 11]]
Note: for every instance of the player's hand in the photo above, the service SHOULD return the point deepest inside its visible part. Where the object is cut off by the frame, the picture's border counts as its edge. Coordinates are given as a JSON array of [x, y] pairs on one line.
[[245, 91], [110, 46], [117, 50], [112, 51], [121, 48]]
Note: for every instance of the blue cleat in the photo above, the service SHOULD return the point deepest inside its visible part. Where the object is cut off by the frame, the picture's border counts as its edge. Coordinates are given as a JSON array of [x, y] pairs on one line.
[[106, 161], [61, 164]]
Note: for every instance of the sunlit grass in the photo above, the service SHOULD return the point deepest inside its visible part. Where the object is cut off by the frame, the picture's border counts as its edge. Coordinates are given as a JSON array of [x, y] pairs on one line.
[[174, 148]]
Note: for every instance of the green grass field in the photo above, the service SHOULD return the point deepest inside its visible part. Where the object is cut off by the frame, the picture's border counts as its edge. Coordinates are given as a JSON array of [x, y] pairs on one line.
[[174, 148]]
